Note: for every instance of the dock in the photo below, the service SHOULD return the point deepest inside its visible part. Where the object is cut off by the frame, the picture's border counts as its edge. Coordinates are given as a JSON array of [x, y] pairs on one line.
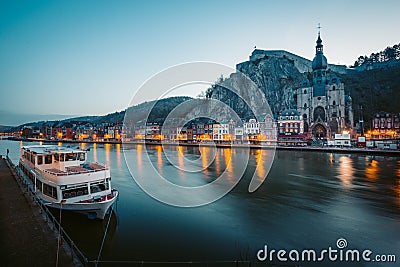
[[26, 239]]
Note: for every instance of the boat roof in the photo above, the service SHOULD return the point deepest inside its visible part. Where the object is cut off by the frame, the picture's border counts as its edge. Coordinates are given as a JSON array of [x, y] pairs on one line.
[[51, 149]]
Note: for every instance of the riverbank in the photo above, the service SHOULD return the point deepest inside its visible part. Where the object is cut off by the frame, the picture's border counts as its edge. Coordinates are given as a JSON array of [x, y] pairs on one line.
[[26, 239], [365, 151]]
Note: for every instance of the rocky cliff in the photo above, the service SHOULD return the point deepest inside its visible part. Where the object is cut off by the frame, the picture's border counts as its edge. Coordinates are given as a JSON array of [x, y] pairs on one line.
[[277, 77]]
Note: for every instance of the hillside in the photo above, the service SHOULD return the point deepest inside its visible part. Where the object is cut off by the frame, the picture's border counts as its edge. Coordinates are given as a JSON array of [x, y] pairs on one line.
[[376, 90], [160, 110]]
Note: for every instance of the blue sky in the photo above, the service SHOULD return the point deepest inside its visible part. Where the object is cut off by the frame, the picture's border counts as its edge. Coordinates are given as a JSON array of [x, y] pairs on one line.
[[89, 57]]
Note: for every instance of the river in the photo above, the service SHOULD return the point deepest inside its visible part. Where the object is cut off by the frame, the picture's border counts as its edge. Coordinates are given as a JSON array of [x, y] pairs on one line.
[[309, 200]]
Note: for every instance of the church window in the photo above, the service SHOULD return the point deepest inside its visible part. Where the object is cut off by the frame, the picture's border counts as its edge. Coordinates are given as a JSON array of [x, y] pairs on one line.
[[319, 112], [305, 105], [333, 88], [319, 98], [334, 102], [305, 91]]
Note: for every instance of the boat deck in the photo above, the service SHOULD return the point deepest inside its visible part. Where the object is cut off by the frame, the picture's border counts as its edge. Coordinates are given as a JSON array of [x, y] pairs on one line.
[[84, 168]]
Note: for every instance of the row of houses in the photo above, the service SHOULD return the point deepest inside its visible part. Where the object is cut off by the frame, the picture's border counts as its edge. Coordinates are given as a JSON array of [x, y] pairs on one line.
[[73, 132], [287, 128]]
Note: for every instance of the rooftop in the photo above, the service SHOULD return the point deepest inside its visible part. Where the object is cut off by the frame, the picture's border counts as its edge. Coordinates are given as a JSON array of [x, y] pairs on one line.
[[51, 149]]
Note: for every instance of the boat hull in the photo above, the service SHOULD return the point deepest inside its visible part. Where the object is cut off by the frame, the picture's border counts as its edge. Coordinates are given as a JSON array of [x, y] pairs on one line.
[[92, 210]]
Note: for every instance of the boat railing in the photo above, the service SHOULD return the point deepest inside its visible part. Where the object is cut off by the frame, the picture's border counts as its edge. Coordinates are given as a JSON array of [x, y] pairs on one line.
[[27, 186]]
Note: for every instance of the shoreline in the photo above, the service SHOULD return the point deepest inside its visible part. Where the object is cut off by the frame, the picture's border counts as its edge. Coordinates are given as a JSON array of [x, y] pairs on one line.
[[339, 150]]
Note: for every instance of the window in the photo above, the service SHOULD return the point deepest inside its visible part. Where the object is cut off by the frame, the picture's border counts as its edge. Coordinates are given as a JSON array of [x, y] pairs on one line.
[[77, 191], [39, 185], [305, 105], [305, 91], [333, 88], [334, 102], [39, 160], [50, 191], [70, 156], [319, 98], [56, 157], [48, 159]]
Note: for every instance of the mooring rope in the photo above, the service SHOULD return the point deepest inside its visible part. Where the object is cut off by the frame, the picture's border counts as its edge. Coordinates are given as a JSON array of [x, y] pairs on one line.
[[104, 236]]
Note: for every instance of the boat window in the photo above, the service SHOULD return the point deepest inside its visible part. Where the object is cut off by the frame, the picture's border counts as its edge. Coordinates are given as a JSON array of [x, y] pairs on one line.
[[32, 158], [82, 156], [70, 156], [48, 159], [56, 157], [99, 186], [39, 160], [50, 191], [75, 192], [61, 157], [39, 185]]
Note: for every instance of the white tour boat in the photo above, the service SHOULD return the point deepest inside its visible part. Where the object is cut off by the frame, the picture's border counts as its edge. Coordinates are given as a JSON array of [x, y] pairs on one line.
[[64, 180]]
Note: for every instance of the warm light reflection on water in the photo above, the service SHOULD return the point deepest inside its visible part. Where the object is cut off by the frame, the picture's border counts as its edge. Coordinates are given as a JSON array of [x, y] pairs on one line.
[[139, 156], [371, 171], [346, 171], [83, 146], [204, 159], [159, 159], [95, 152], [260, 155], [180, 157], [118, 152], [217, 162], [107, 147]]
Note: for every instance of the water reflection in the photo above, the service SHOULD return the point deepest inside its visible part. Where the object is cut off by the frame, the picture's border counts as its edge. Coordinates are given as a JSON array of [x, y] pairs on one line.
[[107, 147], [371, 171], [95, 152], [346, 171], [204, 159], [275, 214], [159, 159], [118, 152], [398, 169], [139, 148], [261, 155]]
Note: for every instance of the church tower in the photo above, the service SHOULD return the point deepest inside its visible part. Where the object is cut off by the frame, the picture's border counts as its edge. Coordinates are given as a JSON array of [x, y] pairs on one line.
[[322, 102], [319, 66]]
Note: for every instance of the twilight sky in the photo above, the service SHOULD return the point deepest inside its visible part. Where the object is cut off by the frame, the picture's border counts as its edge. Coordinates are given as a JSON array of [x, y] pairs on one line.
[[89, 57]]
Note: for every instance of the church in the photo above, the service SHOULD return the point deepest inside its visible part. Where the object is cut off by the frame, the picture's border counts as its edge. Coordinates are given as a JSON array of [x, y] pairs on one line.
[[322, 102]]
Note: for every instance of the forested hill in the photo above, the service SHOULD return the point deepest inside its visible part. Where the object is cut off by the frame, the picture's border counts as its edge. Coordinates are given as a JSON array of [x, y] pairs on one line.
[[375, 90]]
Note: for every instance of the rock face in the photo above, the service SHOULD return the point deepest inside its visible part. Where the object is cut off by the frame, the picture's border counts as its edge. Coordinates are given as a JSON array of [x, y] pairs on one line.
[[276, 76]]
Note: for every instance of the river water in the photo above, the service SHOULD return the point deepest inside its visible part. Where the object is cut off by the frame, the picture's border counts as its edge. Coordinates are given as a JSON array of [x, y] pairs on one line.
[[308, 201]]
